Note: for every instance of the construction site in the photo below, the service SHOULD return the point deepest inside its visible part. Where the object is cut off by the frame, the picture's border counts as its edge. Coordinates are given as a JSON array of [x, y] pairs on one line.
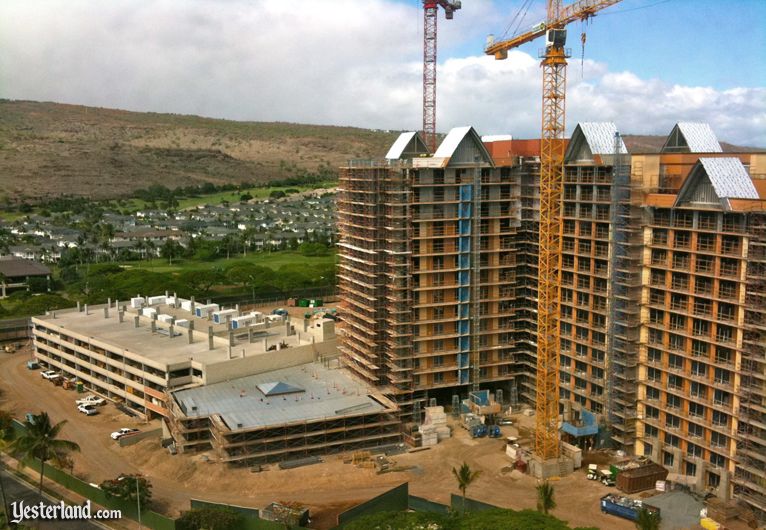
[[654, 290], [583, 304], [616, 293]]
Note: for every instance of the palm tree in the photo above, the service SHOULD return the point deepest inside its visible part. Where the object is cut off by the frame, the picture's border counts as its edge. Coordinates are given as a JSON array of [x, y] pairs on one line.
[[465, 477], [40, 440], [648, 520], [6, 437], [545, 500]]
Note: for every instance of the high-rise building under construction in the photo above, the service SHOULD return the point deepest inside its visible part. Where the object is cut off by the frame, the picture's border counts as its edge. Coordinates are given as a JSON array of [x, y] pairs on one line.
[[661, 289]]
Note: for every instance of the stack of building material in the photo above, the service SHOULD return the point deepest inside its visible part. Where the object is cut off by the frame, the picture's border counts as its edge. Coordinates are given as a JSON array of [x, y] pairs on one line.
[[428, 435], [434, 428], [438, 418]]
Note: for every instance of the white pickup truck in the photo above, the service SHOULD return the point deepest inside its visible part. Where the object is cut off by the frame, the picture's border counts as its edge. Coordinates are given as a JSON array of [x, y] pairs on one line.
[[125, 431], [50, 374], [91, 400], [88, 410]]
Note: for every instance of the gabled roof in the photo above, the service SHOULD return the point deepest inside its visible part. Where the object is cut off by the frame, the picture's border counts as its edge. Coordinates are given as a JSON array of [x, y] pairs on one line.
[[690, 137], [277, 388], [455, 138], [729, 178], [726, 177], [13, 267], [593, 138], [408, 144]]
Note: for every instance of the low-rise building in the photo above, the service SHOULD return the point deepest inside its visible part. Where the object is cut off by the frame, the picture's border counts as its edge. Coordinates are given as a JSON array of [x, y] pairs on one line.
[[135, 355]]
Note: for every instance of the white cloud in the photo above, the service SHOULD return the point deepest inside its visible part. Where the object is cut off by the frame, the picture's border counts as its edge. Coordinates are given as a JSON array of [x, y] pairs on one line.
[[333, 62]]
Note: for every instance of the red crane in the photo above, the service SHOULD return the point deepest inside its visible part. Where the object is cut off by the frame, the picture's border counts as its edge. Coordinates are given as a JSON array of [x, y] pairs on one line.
[[430, 11]]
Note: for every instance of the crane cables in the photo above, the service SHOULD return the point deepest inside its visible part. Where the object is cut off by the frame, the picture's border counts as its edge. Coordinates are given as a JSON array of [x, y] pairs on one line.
[[517, 19]]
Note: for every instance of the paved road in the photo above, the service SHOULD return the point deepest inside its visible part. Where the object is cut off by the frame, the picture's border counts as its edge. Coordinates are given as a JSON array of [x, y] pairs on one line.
[[18, 490]]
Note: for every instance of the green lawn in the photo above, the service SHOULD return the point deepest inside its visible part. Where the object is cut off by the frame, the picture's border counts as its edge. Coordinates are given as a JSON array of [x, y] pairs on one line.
[[134, 205], [11, 216], [273, 260]]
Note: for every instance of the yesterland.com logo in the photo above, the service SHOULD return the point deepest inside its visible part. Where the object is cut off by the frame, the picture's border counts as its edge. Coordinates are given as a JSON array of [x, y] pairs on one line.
[[21, 511]]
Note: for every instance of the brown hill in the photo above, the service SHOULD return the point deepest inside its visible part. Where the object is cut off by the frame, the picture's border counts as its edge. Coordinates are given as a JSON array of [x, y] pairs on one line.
[[652, 144], [49, 149]]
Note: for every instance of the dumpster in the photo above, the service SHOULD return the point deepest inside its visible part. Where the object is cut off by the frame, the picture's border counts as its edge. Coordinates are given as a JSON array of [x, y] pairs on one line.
[[303, 302], [624, 507], [80, 387], [641, 478]]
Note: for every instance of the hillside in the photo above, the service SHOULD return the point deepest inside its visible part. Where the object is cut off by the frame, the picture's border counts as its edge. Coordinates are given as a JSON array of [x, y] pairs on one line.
[[48, 149]]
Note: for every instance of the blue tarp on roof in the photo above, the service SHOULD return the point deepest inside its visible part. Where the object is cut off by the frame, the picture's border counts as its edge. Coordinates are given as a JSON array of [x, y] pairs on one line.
[[588, 427]]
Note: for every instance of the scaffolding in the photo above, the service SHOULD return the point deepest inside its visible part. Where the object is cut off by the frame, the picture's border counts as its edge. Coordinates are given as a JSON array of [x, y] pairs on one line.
[[750, 472], [362, 269], [624, 311], [476, 280]]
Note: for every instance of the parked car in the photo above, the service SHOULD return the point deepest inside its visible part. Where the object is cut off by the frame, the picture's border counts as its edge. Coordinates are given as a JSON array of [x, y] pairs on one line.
[[88, 410], [125, 431], [50, 374], [91, 400]]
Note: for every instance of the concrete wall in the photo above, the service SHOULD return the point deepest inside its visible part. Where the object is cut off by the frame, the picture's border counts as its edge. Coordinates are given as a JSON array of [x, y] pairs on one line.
[[264, 362]]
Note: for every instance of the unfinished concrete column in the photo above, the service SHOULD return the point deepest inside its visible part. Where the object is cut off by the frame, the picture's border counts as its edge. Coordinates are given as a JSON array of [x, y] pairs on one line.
[[154, 326], [78, 307], [171, 331], [121, 315], [86, 309], [190, 333], [656, 453], [210, 337], [724, 491], [192, 305], [699, 475], [108, 302], [677, 460], [53, 315], [106, 312], [305, 325], [135, 321], [231, 338], [229, 352], [243, 353], [249, 335]]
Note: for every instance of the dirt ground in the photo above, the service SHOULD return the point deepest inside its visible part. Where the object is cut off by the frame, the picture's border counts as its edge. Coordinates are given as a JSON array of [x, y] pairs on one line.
[[326, 488]]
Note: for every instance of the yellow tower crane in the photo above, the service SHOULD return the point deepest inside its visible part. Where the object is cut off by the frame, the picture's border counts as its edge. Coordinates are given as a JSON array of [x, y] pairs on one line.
[[554, 63]]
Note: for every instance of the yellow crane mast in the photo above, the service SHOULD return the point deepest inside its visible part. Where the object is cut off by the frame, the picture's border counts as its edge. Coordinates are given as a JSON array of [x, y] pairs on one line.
[[554, 63]]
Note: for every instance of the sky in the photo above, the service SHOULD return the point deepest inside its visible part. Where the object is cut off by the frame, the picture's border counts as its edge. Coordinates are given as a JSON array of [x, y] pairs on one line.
[[647, 64]]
